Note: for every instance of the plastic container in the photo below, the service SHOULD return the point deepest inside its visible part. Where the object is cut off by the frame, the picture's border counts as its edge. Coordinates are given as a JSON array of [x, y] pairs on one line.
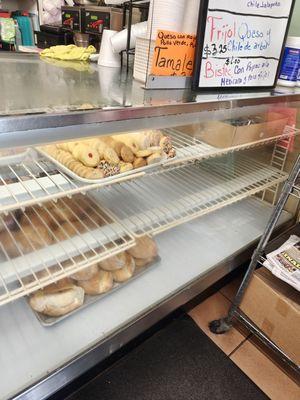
[[298, 80], [290, 63]]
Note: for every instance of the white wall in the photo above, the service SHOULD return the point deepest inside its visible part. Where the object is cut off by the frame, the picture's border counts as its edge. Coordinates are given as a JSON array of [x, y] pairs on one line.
[[295, 23]]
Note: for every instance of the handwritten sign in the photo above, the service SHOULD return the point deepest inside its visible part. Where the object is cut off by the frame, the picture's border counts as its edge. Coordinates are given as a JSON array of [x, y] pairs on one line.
[[243, 42], [174, 54]]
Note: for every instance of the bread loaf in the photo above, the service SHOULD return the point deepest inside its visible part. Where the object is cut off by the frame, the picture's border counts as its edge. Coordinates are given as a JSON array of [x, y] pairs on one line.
[[145, 248], [125, 273], [101, 282], [57, 299]]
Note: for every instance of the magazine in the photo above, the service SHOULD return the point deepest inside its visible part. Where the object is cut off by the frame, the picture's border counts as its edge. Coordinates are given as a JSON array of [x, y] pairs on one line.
[[284, 262]]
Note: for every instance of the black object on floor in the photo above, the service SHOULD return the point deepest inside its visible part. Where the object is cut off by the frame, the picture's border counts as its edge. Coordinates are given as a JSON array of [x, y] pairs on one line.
[[177, 363]]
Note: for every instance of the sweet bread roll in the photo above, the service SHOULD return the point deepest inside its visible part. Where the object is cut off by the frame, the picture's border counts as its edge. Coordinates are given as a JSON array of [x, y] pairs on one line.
[[142, 262], [125, 167], [125, 273], [145, 248], [86, 273], [113, 263], [139, 162], [86, 155], [127, 154], [57, 299], [154, 158], [101, 282]]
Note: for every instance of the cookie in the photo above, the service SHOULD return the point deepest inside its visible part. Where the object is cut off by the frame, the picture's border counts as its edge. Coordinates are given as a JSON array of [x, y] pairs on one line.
[[124, 167], [127, 154], [111, 156], [139, 162], [86, 155]]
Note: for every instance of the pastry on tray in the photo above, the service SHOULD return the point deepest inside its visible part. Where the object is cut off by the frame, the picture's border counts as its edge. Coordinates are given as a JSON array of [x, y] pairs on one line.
[[68, 294], [57, 299], [107, 156]]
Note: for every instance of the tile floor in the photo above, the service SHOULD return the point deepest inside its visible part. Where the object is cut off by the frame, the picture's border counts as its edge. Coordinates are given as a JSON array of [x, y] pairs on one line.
[[243, 349]]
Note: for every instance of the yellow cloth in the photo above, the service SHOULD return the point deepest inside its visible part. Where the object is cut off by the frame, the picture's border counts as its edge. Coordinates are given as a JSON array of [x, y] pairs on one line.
[[70, 52]]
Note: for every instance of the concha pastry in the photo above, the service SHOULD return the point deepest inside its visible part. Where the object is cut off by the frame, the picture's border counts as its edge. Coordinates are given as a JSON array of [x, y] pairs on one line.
[[101, 282], [125, 273], [86, 154]]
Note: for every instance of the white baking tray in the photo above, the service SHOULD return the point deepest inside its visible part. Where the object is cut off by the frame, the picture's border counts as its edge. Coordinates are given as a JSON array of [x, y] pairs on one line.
[[88, 300], [111, 179]]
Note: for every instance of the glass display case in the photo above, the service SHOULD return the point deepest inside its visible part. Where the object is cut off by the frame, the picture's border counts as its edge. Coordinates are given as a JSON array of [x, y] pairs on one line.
[[91, 164]]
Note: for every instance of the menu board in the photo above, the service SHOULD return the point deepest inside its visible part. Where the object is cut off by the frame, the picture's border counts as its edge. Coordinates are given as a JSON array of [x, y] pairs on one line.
[[240, 43]]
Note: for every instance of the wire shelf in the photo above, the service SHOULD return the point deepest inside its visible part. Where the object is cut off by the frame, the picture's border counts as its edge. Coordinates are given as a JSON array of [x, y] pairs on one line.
[[35, 180], [160, 201], [45, 244], [192, 148]]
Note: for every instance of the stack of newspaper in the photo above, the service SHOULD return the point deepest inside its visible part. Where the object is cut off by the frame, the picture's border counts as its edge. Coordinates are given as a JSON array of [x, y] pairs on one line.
[[284, 262]]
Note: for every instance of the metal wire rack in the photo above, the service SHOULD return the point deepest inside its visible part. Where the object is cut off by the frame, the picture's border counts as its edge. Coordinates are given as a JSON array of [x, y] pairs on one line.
[[160, 201], [35, 180], [191, 148], [41, 245]]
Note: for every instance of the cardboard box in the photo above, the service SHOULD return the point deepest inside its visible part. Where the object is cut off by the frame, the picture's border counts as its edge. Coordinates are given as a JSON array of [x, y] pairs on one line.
[[274, 307], [222, 134]]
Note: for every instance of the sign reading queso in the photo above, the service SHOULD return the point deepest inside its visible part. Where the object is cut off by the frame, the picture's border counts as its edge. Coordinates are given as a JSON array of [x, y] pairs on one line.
[[173, 54]]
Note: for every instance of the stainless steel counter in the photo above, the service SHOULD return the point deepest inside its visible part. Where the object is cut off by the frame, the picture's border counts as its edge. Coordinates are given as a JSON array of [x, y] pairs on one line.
[[44, 94]]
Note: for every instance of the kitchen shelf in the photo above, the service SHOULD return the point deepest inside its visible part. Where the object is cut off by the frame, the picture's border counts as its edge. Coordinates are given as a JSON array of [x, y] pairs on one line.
[[160, 201], [53, 242], [35, 179]]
